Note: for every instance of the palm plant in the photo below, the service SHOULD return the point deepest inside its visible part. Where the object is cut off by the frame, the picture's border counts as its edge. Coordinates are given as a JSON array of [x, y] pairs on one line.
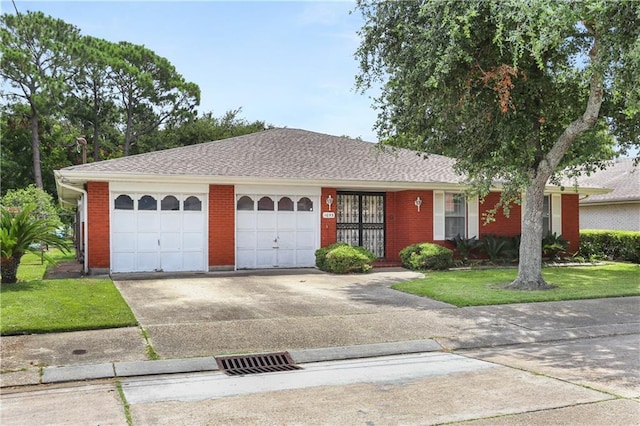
[[21, 233]]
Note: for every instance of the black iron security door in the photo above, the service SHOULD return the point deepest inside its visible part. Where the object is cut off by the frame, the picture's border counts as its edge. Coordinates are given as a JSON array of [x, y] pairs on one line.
[[360, 220]]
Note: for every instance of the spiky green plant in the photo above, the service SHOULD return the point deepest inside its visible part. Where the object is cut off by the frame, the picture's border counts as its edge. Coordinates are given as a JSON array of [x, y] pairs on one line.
[[23, 232]]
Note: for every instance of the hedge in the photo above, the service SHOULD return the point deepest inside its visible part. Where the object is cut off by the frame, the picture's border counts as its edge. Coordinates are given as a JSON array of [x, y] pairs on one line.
[[614, 245]]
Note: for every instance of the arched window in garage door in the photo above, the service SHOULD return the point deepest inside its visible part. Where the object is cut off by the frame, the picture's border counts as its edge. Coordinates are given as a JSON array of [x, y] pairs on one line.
[[245, 203], [147, 202], [265, 204], [123, 202], [170, 203], [193, 204]]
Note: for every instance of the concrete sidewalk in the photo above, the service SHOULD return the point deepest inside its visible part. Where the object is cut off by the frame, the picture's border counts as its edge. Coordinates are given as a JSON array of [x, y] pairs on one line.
[[34, 359]]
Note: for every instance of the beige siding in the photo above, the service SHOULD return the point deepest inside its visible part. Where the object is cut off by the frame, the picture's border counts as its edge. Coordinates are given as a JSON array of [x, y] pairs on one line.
[[612, 216]]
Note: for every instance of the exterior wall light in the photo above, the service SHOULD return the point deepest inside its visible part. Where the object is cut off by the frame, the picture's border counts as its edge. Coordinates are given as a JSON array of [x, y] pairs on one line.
[[418, 203], [329, 201]]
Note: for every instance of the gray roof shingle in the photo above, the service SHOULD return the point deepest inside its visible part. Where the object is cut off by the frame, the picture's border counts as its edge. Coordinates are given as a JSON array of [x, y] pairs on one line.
[[284, 154], [621, 176]]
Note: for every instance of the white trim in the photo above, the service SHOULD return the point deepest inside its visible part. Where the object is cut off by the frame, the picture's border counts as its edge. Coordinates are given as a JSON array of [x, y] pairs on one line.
[[159, 188], [556, 213], [473, 217], [438, 215], [277, 190]]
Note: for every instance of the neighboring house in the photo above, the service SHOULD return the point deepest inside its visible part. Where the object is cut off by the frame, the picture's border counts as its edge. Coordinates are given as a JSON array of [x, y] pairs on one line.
[[619, 209], [270, 199]]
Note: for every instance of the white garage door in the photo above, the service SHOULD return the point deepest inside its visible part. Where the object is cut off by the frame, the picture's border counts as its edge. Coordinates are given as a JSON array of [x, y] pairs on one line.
[[158, 232], [276, 231]]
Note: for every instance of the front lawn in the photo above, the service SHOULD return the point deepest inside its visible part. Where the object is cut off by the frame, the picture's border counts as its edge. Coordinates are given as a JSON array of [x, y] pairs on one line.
[[33, 305], [485, 287]]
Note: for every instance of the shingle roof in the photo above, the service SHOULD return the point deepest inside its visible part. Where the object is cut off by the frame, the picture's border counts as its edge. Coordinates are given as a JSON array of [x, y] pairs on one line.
[[283, 154], [621, 176]]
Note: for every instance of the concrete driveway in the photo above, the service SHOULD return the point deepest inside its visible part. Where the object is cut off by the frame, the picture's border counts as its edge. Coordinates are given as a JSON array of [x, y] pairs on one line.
[[276, 310]]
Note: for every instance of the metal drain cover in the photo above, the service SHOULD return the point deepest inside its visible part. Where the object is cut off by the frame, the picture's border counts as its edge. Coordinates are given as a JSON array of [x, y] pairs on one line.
[[254, 364]]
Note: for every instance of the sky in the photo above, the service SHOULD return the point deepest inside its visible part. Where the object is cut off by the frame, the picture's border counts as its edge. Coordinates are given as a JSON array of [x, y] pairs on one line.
[[287, 63]]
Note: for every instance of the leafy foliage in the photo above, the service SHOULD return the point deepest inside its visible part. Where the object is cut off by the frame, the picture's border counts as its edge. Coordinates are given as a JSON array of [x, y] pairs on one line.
[[495, 247], [18, 235], [619, 245], [553, 245], [19, 199], [465, 246], [341, 258], [516, 91], [425, 256]]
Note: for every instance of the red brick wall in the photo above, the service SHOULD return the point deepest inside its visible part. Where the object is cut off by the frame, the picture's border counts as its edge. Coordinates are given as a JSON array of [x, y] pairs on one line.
[[98, 206], [503, 226], [571, 221], [328, 232], [222, 223], [405, 224]]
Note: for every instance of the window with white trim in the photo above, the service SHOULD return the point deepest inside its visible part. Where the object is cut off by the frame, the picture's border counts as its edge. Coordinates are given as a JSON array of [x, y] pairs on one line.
[[546, 216], [455, 215]]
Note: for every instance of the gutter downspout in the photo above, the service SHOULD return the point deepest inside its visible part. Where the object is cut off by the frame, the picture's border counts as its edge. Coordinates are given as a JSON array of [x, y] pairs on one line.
[[85, 213]]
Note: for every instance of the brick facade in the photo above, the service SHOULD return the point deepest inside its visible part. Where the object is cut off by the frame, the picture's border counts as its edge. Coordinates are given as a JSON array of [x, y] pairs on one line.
[[571, 221], [502, 225], [98, 207], [328, 230], [405, 224], [222, 226]]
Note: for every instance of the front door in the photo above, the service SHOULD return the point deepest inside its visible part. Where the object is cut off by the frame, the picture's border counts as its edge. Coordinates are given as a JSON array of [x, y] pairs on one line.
[[360, 220]]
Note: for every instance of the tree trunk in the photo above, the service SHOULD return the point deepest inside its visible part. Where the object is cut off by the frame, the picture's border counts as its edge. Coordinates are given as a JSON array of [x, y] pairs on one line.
[[96, 118], [530, 262], [9, 267], [35, 147]]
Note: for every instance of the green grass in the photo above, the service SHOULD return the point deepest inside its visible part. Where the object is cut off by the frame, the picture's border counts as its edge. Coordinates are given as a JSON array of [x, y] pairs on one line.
[[485, 287], [33, 305]]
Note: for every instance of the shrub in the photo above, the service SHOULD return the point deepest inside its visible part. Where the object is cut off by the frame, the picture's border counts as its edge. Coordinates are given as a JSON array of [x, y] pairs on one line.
[[321, 255], [496, 247], [465, 246], [426, 256], [341, 258], [619, 245], [346, 259], [553, 245]]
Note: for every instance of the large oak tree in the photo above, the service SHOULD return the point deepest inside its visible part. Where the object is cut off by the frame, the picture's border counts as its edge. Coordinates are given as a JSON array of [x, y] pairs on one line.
[[515, 90]]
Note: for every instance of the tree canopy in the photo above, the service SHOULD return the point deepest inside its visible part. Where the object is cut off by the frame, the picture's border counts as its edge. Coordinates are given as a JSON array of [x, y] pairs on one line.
[[516, 91], [65, 88]]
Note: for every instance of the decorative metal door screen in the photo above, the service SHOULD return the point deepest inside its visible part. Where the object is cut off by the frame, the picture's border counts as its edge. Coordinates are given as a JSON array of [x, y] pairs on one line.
[[360, 220]]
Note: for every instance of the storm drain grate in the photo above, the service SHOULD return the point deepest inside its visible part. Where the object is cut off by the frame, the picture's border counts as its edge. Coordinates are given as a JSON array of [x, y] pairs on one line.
[[254, 364]]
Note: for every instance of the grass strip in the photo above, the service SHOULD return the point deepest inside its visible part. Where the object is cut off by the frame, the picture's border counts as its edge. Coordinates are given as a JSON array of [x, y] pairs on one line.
[[486, 287], [44, 306]]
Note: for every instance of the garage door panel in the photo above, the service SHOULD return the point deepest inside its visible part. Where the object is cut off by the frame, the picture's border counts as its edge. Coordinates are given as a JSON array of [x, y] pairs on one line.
[[170, 221], [305, 239], [170, 241], [124, 242], [192, 222], [192, 241], [171, 261], [245, 239], [265, 259], [306, 258], [286, 258], [147, 242], [286, 239], [264, 239], [124, 262], [193, 261], [148, 222], [266, 221], [306, 220], [245, 258], [147, 262], [123, 221], [286, 220]]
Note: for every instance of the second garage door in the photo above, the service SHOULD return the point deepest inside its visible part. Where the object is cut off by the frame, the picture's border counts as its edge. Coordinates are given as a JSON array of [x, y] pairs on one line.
[[276, 231]]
